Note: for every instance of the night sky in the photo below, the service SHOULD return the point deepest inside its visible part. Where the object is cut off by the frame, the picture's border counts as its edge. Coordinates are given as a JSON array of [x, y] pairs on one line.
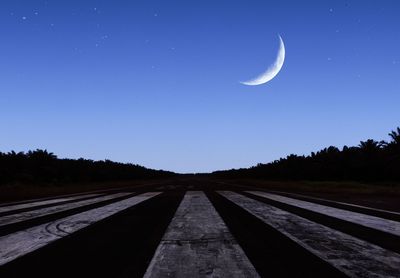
[[157, 83]]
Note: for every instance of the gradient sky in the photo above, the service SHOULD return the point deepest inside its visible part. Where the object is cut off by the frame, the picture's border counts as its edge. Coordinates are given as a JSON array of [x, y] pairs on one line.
[[157, 82]]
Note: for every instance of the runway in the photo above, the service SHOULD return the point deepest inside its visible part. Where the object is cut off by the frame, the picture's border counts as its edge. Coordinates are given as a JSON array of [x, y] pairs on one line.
[[191, 230]]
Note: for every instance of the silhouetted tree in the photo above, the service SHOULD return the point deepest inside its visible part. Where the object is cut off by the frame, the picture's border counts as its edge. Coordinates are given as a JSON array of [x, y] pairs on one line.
[[41, 155], [370, 146], [41, 166], [370, 160], [395, 135]]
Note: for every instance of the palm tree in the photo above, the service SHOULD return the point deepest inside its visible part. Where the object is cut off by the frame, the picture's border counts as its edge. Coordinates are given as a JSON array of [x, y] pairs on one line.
[[395, 135], [370, 145], [41, 155]]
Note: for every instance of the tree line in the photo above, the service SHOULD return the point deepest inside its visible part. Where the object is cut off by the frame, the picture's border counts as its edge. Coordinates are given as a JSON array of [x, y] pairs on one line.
[[41, 166], [369, 161]]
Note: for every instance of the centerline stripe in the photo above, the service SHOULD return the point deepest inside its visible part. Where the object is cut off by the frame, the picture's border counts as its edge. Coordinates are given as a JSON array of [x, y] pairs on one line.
[[197, 243]]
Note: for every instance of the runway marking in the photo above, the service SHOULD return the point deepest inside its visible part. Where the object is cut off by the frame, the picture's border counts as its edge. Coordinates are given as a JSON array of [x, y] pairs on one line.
[[10, 208], [23, 242], [341, 203], [27, 215], [352, 256], [381, 224], [197, 243]]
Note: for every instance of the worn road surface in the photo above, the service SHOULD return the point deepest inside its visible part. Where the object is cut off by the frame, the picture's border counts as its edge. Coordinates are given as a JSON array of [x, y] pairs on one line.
[[195, 229]]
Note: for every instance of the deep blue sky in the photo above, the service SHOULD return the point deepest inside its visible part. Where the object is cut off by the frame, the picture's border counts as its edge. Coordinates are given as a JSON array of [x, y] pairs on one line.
[[156, 82]]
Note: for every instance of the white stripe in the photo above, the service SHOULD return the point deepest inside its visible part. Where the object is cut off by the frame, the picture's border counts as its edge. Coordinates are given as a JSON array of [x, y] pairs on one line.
[[352, 256], [381, 224], [24, 242], [27, 215], [336, 202], [42, 203], [197, 243]]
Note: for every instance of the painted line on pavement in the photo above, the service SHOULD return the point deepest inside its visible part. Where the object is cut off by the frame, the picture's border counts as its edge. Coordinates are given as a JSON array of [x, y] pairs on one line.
[[11, 208], [23, 242], [352, 256], [197, 243], [28, 215], [377, 223], [350, 205]]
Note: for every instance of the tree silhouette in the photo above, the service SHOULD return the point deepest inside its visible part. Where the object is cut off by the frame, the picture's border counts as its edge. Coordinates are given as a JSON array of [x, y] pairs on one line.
[[41, 166], [370, 161], [395, 135], [369, 145], [41, 155]]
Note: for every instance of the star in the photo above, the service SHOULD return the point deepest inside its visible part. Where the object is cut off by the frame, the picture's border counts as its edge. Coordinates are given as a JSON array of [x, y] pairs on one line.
[[24, 18]]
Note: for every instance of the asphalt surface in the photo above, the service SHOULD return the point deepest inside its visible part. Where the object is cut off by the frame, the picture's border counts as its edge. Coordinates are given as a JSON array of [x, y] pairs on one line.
[[196, 229]]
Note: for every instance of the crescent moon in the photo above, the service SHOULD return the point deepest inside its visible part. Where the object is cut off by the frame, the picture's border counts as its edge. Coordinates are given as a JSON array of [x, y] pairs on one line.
[[272, 71]]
